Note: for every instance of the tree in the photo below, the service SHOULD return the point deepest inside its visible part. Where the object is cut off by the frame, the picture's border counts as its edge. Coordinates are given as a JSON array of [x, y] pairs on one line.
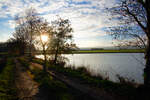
[[15, 46], [134, 15], [26, 28], [20, 37], [61, 38], [44, 39]]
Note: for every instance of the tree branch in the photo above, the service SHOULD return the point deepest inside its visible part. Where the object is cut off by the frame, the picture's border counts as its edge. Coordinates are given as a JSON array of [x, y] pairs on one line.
[[136, 19], [142, 2], [135, 35]]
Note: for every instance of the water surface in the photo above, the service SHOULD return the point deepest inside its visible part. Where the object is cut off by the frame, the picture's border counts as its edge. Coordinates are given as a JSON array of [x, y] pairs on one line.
[[129, 65]]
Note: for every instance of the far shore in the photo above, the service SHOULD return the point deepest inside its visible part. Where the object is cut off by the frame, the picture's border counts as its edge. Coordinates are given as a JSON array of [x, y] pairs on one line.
[[94, 51], [110, 51]]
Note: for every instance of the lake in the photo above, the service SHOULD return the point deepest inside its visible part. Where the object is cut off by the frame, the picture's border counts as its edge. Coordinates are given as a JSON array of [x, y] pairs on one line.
[[128, 65]]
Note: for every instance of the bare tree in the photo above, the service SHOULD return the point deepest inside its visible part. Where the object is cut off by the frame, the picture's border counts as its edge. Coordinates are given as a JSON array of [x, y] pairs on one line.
[[134, 17]]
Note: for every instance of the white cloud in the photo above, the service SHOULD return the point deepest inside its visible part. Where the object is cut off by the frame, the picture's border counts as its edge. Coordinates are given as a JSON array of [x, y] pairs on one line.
[[87, 19], [93, 43], [11, 23], [5, 37]]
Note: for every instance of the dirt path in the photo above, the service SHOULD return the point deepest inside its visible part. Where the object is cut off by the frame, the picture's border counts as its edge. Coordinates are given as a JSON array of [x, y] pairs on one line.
[[26, 87], [95, 93]]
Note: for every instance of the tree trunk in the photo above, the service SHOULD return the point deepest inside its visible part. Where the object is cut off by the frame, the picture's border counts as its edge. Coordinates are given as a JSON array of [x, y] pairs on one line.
[[147, 57], [31, 39], [45, 60], [30, 51], [56, 55], [147, 67]]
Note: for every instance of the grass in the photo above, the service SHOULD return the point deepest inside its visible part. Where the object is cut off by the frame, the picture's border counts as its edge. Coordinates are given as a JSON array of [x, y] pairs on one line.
[[7, 89], [56, 89], [24, 62], [48, 81], [111, 51], [124, 88], [3, 53]]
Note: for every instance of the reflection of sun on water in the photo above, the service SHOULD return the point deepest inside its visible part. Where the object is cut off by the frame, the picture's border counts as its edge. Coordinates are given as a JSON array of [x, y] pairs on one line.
[[44, 38]]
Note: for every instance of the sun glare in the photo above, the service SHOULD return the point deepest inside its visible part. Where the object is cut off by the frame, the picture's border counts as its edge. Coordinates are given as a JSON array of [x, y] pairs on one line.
[[44, 38]]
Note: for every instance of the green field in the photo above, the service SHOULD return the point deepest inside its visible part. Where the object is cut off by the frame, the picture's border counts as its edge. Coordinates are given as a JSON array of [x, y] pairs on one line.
[[96, 51], [111, 51]]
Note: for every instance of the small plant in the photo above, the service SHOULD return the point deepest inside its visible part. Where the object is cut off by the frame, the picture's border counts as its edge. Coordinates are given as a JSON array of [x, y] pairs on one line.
[[126, 81]]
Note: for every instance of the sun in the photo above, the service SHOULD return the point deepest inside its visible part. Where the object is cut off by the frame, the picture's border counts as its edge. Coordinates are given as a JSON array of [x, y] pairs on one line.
[[44, 38]]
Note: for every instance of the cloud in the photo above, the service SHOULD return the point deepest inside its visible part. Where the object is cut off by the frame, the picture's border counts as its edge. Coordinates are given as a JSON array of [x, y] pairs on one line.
[[11, 24], [93, 43], [87, 16]]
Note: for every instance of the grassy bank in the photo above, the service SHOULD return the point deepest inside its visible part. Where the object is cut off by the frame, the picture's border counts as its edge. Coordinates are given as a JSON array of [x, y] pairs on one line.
[[50, 87], [57, 89], [123, 89], [111, 51], [7, 89]]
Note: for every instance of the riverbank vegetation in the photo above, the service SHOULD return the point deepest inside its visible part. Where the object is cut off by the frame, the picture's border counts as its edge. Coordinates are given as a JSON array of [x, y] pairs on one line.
[[7, 80], [125, 88], [51, 87]]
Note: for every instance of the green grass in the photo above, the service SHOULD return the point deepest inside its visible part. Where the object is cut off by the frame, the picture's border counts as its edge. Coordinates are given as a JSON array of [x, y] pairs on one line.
[[7, 81], [39, 61], [3, 53], [111, 51], [24, 62], [122, 89], [55, 89]]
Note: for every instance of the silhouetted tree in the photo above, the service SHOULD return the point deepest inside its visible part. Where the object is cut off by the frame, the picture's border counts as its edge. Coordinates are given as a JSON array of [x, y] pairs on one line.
[[19, 36], [25, 28], [44, 32], [16, 46], [134, 20], [61, 38]]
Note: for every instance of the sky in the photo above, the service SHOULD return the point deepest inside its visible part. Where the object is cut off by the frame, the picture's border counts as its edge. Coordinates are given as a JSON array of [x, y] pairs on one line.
[[88, 18]]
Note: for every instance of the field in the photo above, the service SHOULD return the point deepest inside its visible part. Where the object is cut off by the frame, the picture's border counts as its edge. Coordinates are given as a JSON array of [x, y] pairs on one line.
[[111, 51], [94, 51]]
